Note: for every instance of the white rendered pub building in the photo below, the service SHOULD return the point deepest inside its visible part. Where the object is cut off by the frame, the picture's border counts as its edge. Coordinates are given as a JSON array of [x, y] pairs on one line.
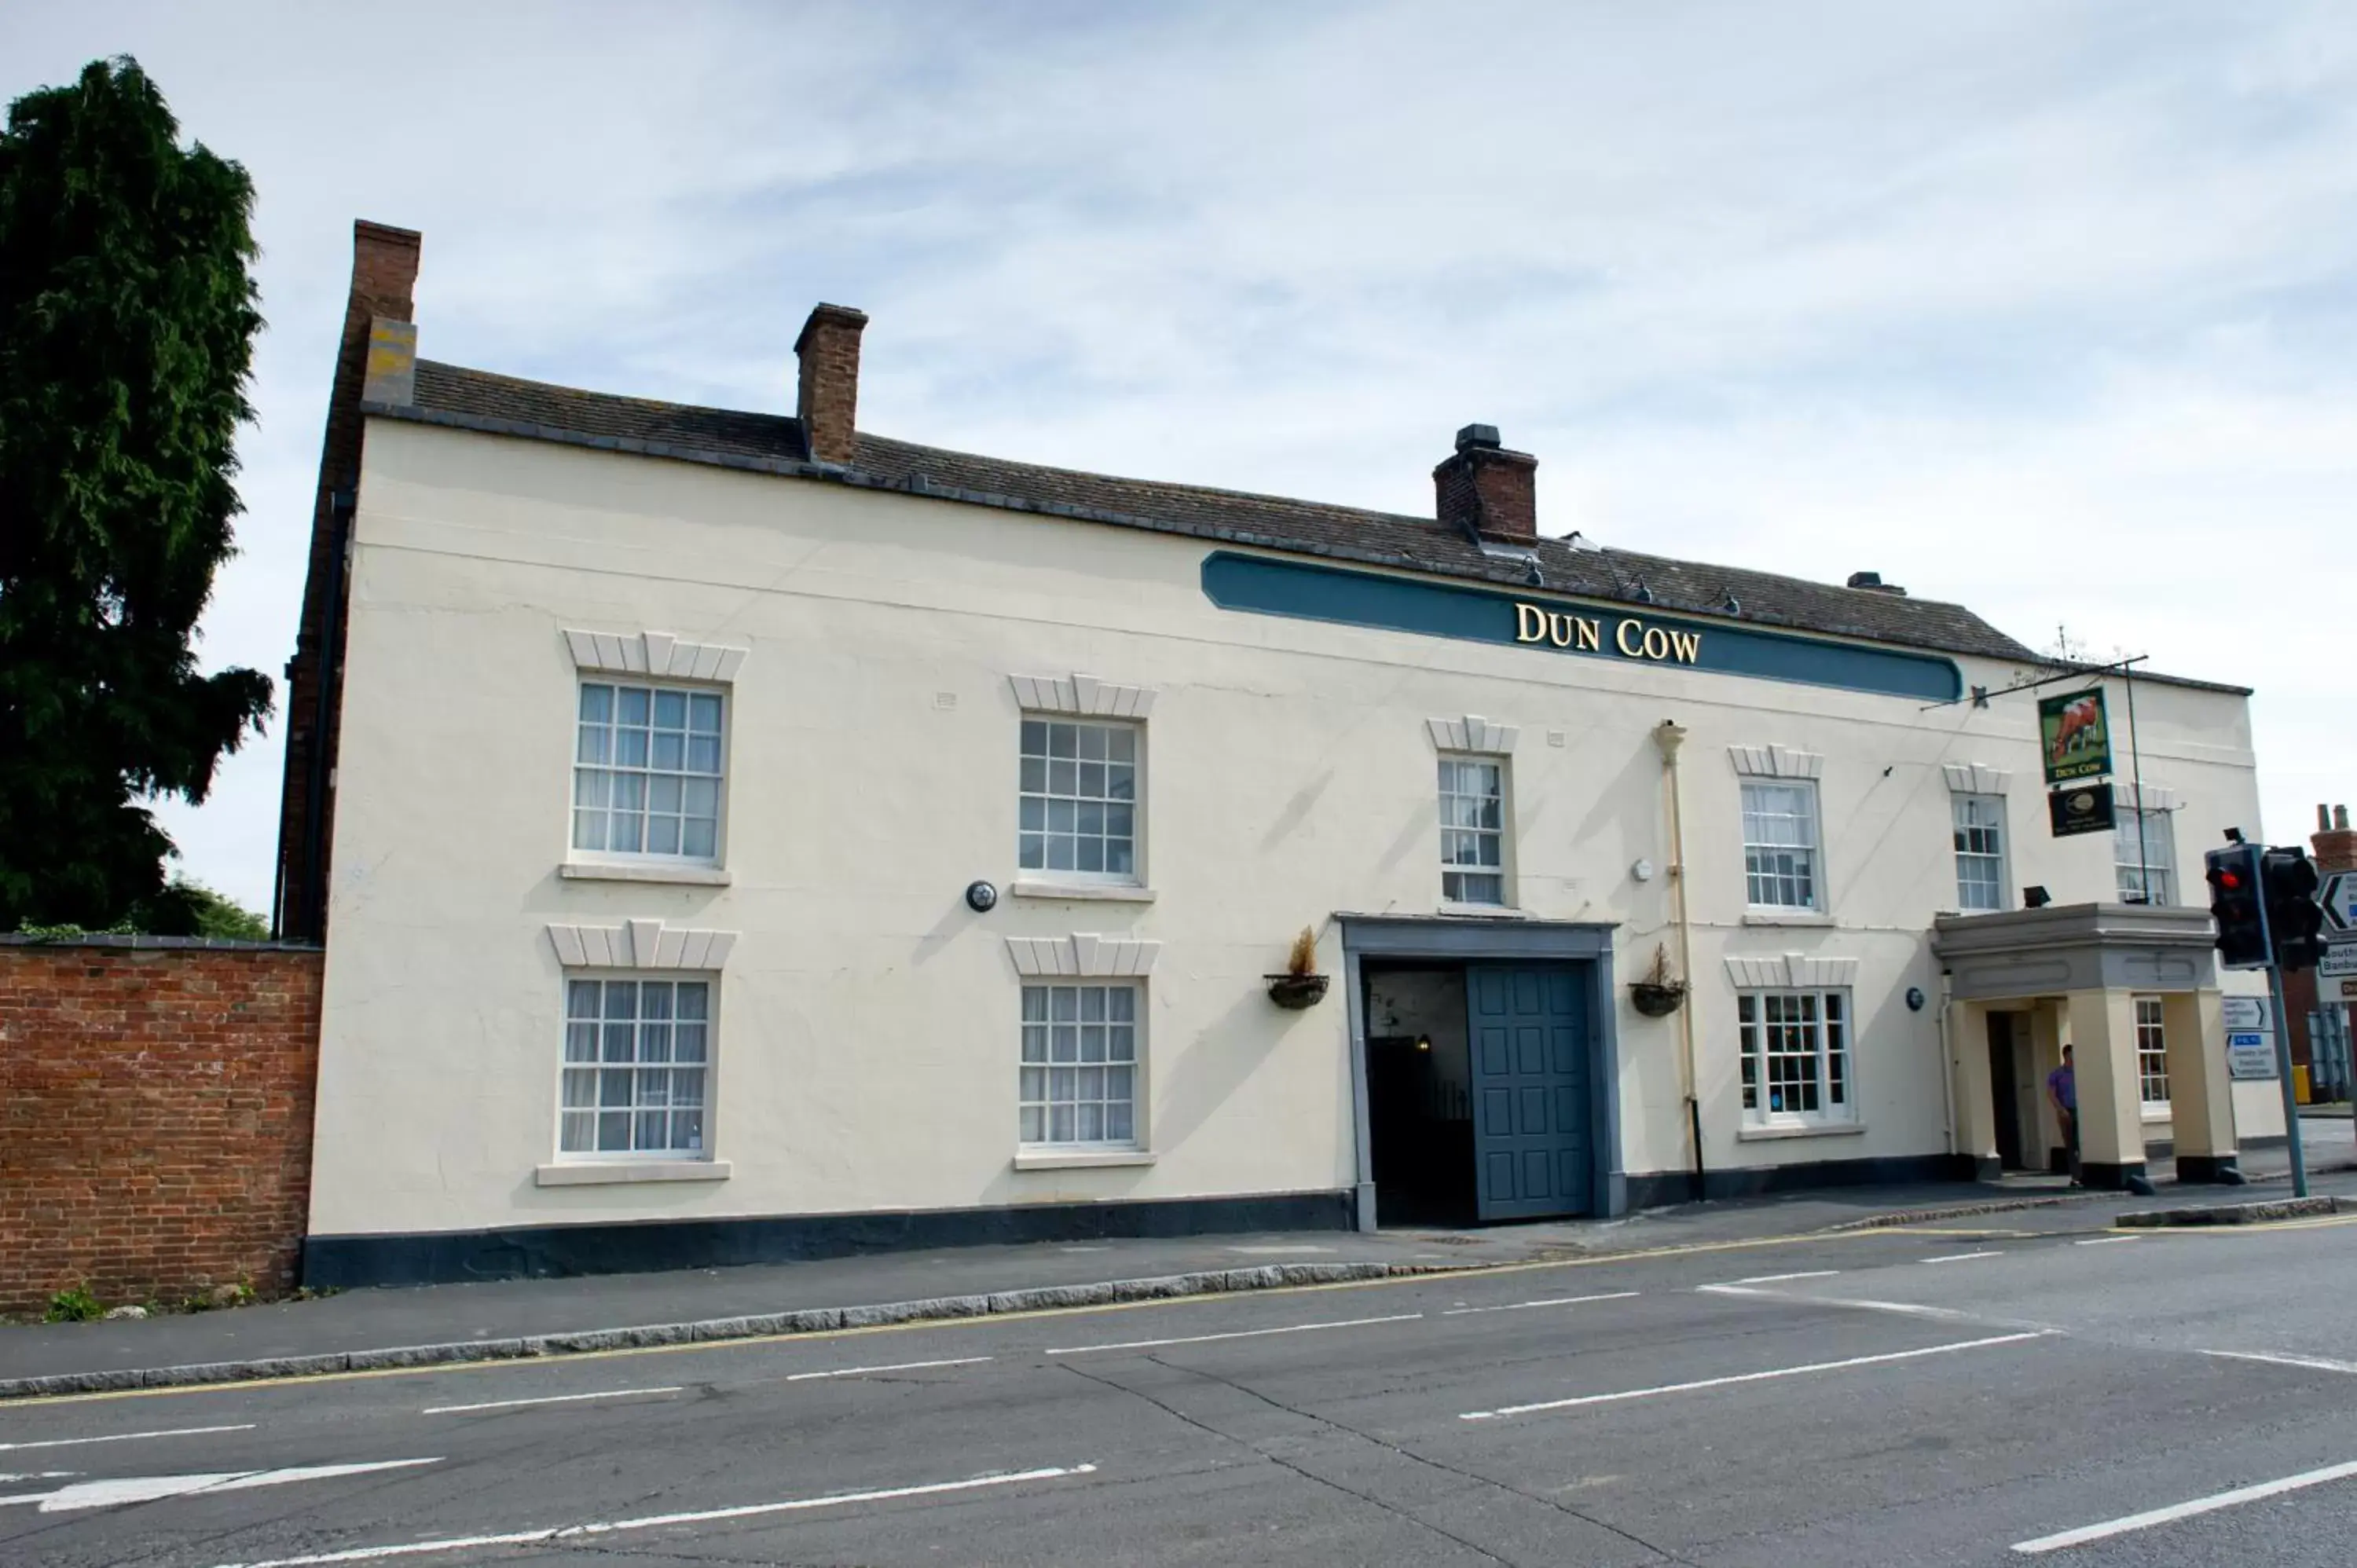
[[738, 836]]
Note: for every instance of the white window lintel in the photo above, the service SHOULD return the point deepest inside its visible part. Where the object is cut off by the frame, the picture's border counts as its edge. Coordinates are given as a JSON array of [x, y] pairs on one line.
[[1083, 955], [652, 653], [1084, 696], [1776, 762], [1473, 733], [640, 944], [1975, 778], [1791, 972], [2148, 797]]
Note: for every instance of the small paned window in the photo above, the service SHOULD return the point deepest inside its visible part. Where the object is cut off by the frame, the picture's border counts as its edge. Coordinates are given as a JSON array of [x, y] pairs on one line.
[[1078, 1076], [1795, 1047], [1078, 804], [2152, 1052], [1472, 831], [2145, 852], [636, 1053], [1780, 846], [1980, 851], [646, 771]]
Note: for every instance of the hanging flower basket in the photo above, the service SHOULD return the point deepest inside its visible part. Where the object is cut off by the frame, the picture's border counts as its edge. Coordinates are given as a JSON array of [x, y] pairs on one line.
[[1657, 1000], [1294, 992]]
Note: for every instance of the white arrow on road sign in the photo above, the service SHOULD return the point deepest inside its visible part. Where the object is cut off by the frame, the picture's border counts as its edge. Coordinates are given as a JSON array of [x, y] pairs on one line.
[[148, 1489], [2339, 897]]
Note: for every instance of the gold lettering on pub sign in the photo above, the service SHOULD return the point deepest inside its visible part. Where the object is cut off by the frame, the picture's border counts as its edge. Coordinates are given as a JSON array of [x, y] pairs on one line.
[[1632, 638]]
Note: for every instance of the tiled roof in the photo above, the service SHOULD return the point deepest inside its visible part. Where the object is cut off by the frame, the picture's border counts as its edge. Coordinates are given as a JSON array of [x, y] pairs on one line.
[[449, 394]]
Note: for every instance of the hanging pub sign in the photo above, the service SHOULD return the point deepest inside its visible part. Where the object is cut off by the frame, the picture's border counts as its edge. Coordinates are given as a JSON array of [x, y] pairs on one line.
[[2081, 809], [2076, 738]]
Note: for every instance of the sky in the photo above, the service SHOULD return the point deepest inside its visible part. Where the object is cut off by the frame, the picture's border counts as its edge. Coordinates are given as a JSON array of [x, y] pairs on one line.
[[2048, 308]]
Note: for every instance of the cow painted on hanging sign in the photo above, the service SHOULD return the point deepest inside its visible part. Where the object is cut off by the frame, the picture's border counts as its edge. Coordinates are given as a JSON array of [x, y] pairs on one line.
[[2077, 738]]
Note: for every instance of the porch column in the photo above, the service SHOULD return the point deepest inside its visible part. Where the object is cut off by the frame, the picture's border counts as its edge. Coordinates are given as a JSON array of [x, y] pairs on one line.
[[2200, 1093], [1968, 1067], [2111, 1110]]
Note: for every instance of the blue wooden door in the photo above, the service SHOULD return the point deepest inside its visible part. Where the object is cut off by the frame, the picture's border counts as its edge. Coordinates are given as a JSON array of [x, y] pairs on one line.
[[1533, 1138]]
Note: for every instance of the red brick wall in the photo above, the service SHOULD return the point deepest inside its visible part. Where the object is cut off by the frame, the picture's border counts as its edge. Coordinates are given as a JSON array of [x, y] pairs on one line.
[[154, 1117]]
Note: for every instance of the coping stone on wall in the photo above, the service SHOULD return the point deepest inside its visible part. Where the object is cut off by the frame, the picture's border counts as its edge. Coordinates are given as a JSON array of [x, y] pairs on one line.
[[654, 653], [1791, 970], [1472, 733], [1083, 953], [1083, 694], [1776, 762]]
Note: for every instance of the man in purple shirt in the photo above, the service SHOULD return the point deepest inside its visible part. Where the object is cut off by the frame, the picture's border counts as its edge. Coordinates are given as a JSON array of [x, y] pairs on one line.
[[2062, 1089]]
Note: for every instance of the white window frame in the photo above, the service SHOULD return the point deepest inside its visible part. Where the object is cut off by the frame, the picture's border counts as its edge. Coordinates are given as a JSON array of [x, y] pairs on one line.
[[572, 1066], [2158, 829], [1042, 1054], [1812, 867], [693, 695], [2151, 1029], [1961, 806], [1829, 1018], [1444, 776], [1104, 804]]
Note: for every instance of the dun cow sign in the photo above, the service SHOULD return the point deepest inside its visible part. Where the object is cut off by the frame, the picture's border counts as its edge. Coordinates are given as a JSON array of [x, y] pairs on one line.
[[2076, 737]]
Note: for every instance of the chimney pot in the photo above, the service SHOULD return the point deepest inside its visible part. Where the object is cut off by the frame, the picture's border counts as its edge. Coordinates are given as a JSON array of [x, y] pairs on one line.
[[1486, 490], [827, 399]]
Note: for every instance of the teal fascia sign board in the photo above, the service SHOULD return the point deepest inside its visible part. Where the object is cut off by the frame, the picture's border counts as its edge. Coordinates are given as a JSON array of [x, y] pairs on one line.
[[1543, 624]]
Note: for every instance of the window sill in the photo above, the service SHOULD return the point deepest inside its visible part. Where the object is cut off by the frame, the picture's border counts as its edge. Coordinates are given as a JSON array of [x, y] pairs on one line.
[[1485, 911], [1772, 1135], [1786, 917], [1102, 892], [2154, 1113], [688, 875], [613, 1172], [1079, 1159]]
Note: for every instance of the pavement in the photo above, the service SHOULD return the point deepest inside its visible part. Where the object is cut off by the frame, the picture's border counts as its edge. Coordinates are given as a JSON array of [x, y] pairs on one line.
[[501, 1319], [2030, 1386]]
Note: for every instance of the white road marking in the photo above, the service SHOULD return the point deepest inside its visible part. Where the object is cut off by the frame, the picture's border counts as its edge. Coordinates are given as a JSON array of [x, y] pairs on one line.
[[1553, 1300], [2169, 1515], [1239, 1334], [1907, 1307], [1780, 1279], [2312, 1363], [895, 1367], [548, 1398], [651, 1521], [127, 1436], [148, 1488], [1960, 1257], [2104, 1241], [1750, 1377]]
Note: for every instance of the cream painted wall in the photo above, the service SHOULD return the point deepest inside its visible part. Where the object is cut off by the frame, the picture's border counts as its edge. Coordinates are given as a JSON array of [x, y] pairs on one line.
[[866, 1035]]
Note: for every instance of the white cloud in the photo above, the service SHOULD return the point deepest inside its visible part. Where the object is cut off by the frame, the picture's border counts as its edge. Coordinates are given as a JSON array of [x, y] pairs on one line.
[[1814, 288]]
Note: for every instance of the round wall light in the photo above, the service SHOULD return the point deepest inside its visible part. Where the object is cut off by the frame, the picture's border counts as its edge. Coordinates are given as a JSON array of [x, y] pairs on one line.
[[981, 897], [1914, 999]]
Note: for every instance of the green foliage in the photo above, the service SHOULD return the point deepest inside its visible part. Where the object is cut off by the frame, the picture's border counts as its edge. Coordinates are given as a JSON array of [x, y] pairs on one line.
[[75, 1305], [184, 908], [127, 316]]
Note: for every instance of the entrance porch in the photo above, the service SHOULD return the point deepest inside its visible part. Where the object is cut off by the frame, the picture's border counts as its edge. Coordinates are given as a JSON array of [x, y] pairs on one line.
[[2133, 990]]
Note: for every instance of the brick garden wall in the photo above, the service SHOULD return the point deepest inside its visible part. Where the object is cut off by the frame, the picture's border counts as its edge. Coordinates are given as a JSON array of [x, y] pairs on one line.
[[154, 1116]]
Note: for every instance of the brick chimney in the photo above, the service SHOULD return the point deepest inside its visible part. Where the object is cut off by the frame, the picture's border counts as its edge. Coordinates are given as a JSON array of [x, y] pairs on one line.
[[2335, 841], [829, 399], [1485, 491]]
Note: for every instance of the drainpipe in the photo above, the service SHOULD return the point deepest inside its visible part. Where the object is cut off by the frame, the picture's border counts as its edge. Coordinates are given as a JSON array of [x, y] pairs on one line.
[[1668, 735], [1947, 1063]]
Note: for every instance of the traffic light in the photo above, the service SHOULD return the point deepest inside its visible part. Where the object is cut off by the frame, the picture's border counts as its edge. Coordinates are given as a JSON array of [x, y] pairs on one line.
[[2295, 919], [2233, 876]]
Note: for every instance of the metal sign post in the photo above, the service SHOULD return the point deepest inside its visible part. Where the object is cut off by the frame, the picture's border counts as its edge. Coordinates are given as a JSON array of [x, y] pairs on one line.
[[2283, 1049]]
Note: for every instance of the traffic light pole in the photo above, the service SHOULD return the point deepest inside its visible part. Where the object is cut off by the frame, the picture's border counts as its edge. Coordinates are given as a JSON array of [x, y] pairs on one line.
[[2283, 1050]]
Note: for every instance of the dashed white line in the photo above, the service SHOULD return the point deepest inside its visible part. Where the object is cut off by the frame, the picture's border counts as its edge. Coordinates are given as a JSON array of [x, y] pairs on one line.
[[1961, 1257], [2310, 1363], [895, 1367], [1239, 1334], [2176, 1511], [2104, 1241], [127, 1436], [1552, 1301], [1751, 1377], [1780, 1279], [548, 1399], [654, 1522], [116, 1491]]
